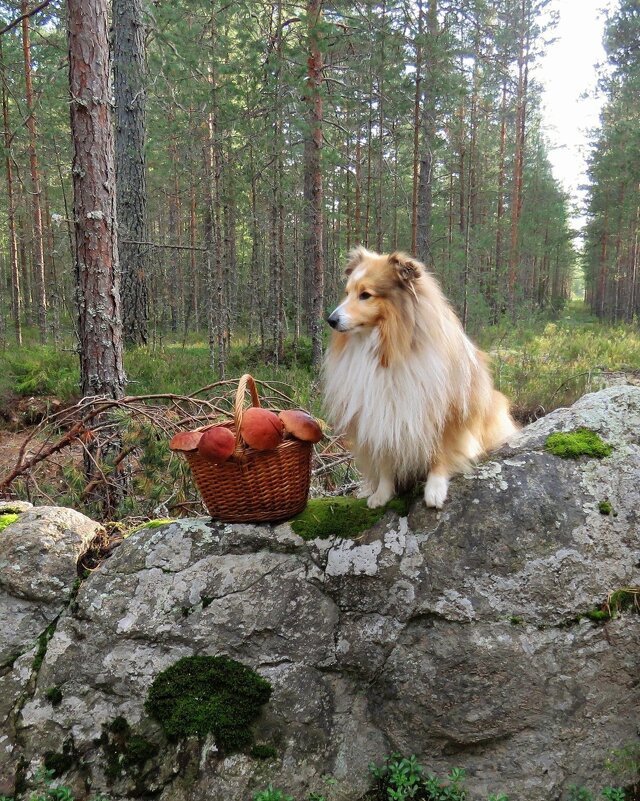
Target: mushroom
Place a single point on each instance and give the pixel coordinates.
(261, 429)
(185, 440)
(217, 444)
(301, 425)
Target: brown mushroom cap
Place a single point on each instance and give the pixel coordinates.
(261, 429)
(301, 425)
(217, 444)
(185, 440)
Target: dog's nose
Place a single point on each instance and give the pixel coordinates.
(332, 319)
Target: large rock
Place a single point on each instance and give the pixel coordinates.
(39, 556)
(459, 636)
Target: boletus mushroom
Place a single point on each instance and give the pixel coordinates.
(217, 444)
(261, 429)
(301, 425)
(185, 441)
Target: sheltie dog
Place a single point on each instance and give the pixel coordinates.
(412, 393)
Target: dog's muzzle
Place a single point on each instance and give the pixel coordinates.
(334, 319)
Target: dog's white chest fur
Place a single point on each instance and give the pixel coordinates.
(396, 413)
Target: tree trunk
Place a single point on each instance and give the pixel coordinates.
(518, 164)
(313, 246)
(16, 300)
(130, 100)
(428, 127)
(100, 327)
(36, 208)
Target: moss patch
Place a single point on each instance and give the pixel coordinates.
(581, 442)
(342, 517)
(54, 696)
(125, 752)
(149, 524)
(605, 508)
(199, 695)
(43, 642)
(627, 598)
(60, 763)
(263, 751)
(6, 519)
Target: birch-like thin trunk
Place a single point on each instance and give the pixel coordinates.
(36, 206)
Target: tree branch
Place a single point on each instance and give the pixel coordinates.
(17, 21)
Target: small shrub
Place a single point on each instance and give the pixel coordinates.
(271, 794)
(579, 794)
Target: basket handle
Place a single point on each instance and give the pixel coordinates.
(238, 409)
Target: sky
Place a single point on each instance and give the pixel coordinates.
(567, 72)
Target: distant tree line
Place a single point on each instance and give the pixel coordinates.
(612, 252)
(256, 142)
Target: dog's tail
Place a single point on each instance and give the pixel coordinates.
(499, 425)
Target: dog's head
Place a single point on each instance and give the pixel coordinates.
(374, 283)
(382, 293)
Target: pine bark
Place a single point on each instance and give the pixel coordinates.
(518, 168)
(16, 300)
(130, 97)
(313, 247)
(94, 192)
(36, 206)
(428, 128)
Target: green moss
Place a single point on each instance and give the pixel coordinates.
(263, 751)
(516, 620)
(54, 695)
(199, 695)
(149, 524)
(6, 519)
(43, 642)
(342, 517)
(125, 751)
(627, 598)
(581, 442)
(59, 764)
(605, 508)
(598, 615)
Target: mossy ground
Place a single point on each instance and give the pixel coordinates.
(199, 695)
(581, 442)
(7, 518)
(342, 517)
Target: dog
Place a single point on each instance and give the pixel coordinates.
(412, 393)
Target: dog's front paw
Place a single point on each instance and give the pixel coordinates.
(364, 491)
(379, 498)
(435, 491)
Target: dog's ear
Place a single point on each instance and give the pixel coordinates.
(354, 258)
(407, 268)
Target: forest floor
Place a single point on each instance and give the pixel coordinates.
(539, 364)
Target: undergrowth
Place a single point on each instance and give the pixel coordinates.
(538, 364)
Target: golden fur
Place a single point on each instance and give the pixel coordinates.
(403, 381)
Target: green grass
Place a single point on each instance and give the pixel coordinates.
(536, 363)
(551, 364)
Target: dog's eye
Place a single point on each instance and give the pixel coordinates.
(364, 296)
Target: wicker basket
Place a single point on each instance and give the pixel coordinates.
(252, 485)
